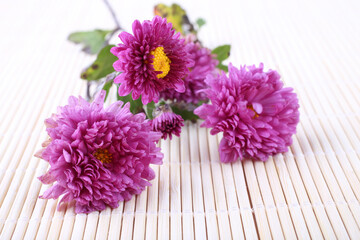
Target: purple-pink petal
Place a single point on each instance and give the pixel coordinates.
(78, 132)
(135, 60)
(256, 114)
(194, 82)
(168, 123)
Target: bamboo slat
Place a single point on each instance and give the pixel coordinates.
(310, 192)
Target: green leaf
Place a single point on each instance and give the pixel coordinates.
(136, 106)
(185, 114)
(107, 87)
(222, 53)
(149, 109)
(200, 22)
(222, 67)
(102, 66)
(176, 15)
(92, 41)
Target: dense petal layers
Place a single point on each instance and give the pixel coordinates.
(98, 156)
(152, 42)
(204, 64)
(256, 114)
(168, 123)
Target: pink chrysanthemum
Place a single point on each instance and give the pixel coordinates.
(253, 110)
(167, 123)
(98, 156)
(204, 64)
(151, 60)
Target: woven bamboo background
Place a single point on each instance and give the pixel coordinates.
(312, 191)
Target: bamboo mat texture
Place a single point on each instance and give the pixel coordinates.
(310, 192)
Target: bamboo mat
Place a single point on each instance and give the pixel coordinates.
(312, 191)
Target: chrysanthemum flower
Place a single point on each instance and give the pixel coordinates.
(98, 156)
(151, 60)
(204, 64)
(255, 113)
(167, 122)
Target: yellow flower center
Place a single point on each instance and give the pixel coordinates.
(252, 108)
(103, 155)
(161, 62)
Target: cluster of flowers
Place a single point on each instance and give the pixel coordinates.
(99, 156)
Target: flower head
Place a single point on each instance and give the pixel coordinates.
(151, 60)
(167, 122)
(98, 156)
(204, 64)
(255, 113)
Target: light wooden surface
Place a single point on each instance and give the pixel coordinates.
(312, 191)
